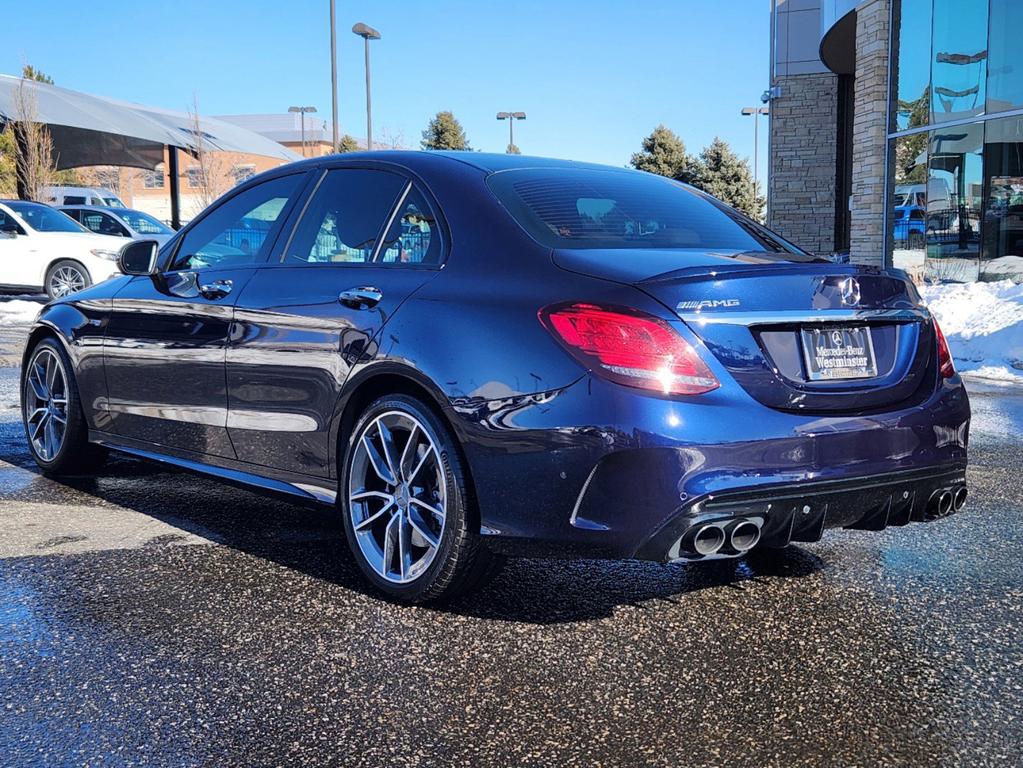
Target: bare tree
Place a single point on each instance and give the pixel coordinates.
(34, 157)
(208, 176)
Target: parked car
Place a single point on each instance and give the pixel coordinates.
(472, 356)
(910, 227)
(42, 249)
(82, 196)
(119, 222)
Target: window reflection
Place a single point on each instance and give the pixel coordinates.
(909, 204)
(1005, 68)
(1003, 212)
(959, 63)
(954, 193)
(913, 83)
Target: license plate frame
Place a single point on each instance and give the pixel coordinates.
(838, 353)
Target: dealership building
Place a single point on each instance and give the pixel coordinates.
(896, 133)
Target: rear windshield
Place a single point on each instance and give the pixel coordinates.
(585, 208)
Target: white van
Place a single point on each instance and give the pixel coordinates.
(81, 196)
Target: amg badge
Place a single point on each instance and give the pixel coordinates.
(706, 304)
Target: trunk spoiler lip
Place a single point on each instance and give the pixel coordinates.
(745, 269)
(785, 317)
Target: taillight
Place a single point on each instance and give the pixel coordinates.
(629, 347)
(945, 365)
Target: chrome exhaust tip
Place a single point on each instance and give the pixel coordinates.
(708, 540)
(959, 498)
(945, 502)
(745, 535)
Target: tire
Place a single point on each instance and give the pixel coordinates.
(390, 499)
(65, 277)
(49, 394)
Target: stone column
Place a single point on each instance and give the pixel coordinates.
(802, 164)
(870, 145)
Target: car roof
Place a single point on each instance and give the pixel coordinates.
(106, 208)
(489, 162)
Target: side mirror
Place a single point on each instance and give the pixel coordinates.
(138, 257)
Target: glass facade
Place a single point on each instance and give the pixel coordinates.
(956, 135)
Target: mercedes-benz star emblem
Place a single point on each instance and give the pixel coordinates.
(850, 288)
(836, 338)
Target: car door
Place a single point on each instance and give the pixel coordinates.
(102, 223)
(13, 252)
(303, 323)
(167, 333)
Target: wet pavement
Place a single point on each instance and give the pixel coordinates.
(149, 617)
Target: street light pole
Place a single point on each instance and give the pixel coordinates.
(302, 111)
(511, 117)
(367, 33)
(333, 74)
(756, 112)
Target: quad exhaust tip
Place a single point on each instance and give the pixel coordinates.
(708, 540)
(745, 535)
(959, 498)
(945, 501)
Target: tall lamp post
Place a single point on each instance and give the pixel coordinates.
(333, 75)
(302, 111)
(756, 112)
(511, 117)
(367, 33)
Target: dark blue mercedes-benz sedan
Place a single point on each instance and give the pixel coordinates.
(471, 356)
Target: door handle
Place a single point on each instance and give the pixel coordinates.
(218, 289)
(364, 297)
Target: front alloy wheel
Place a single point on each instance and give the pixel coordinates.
(407, 508)
(46, 403)
(66, 277)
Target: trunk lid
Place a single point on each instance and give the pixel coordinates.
(751, 311)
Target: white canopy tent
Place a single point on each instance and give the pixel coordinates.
(94, 130)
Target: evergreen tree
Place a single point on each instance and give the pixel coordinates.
(664, 153)
(347, 143)
(728, 177)
(512, 150)
(445, 132)
(31, 73)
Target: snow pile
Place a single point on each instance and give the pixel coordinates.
(983, 323)
(18, 312)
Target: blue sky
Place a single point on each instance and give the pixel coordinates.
(593, 76)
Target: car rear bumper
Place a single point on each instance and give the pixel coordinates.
(561, 485)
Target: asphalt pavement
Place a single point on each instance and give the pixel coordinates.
(151, 617)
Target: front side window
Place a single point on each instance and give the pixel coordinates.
(413, 237)
(582, 208)
(102, 224)
(43, 218)
(345, 217)
(145, 224)
(240, 230)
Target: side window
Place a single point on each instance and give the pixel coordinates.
(74, 200)
(344, 217)
(75, 214)
(102, 223)
(238, 231)
(413, 237)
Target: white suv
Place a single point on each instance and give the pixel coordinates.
(44, 249)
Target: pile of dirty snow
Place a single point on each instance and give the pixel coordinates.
(983, 323)
(18, 312)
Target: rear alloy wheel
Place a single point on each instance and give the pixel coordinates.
(66, 277)
(406, 504)
(52, 413)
